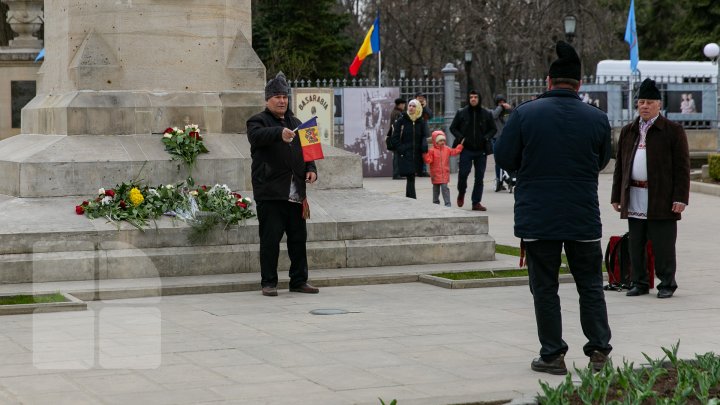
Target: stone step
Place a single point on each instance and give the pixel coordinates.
(129, 262)
(222, 283)
(44, 241)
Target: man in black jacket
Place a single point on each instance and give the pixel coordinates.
(476, 126)
(559, 144)
(279, 174)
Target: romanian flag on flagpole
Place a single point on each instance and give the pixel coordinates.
(370, 45)
(310, 140)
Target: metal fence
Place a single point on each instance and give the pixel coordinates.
(690, 100)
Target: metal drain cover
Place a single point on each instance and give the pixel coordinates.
(328, 312)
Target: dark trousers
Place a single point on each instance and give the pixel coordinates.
(468, 159)
(662, 234)
(275, 219)
(410, 187)
(585, 261)
(396, 164)
(497, 167)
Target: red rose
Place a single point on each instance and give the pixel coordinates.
(79, 209)
(241, 204)
(110, 193)
(168, 131)
(236, 195)
(195, 135)
(85, 203)
(204, 188)
(122, 204)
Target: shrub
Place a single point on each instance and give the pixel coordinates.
(714, 166)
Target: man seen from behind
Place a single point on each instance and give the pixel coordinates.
(558, 145)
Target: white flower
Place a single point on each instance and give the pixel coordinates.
(167, 135)
(176, 129)
(153, 192)
(169, 187)
(101, 191)
(194, 193)
(180, 131)
(246, 200)
(107, 200)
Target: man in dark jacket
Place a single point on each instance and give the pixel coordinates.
(476, 126)
(279, 174)
(396, 113)
(651, 187)
(559, 144)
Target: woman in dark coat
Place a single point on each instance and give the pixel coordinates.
(409, 140)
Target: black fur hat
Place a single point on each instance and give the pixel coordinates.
(567, 65)
(648, 90)
(277, 86)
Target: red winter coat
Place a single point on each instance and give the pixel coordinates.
(438, 157)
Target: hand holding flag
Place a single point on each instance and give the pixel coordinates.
(310, 140)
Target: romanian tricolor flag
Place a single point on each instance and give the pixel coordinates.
(310, 140)
(370, 45)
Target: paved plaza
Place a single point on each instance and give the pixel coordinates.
(412, 342)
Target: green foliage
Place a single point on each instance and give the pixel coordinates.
(714, 167)
(697, 380)
(303, 39)
(394, 402)
(217, 205)
(32, 299)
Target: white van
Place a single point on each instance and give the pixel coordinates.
(617, 71)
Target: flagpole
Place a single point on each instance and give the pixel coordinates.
(379, 68)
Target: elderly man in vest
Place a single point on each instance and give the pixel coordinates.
(651, 188)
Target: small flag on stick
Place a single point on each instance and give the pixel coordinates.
(310, 140)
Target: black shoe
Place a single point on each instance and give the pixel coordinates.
(635, 291)
(665, 293)
(556, 366)
(597, 361)
(398, 178)
(499, 186)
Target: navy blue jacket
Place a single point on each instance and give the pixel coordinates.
(558, 144)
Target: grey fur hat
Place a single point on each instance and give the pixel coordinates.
(277, 86)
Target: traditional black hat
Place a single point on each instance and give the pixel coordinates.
(648, 90)
(567, 65)
(277, 86)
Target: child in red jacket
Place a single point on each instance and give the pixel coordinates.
(438, 158)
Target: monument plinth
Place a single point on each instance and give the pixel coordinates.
(118, 72)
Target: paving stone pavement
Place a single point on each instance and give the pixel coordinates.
(413, 342)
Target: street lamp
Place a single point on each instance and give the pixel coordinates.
(468, 66)
(569, 24)
(711, 51)
(402, 74)
(426, 71)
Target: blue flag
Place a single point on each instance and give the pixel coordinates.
(631, 38)
(41, 55)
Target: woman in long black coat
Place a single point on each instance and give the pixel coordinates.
(409, 140)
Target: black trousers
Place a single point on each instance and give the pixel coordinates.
(585, 261)
(662, 234)
(275, 219)
(410, 186)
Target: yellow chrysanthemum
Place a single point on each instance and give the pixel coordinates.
(136, 197)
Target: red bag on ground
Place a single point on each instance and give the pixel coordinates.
(617, 263)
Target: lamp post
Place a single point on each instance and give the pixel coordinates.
(569, 23)
(402, 74)
(711, 51)
(468, 66)
(426, 72)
